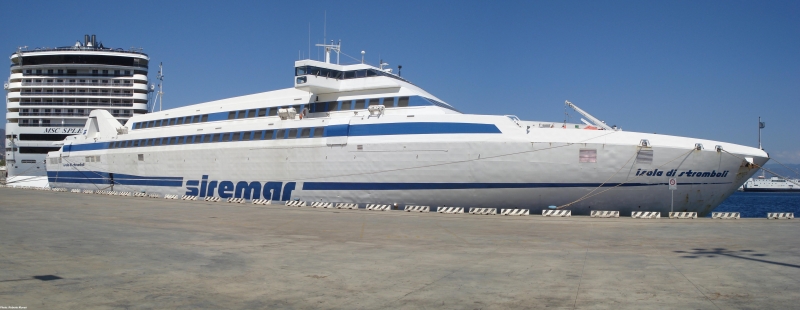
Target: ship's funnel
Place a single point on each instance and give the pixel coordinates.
(85, 39)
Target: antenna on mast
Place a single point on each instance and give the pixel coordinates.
(761, 125)
(332, 47)
(160, 94)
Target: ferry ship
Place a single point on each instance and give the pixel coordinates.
(362, 134)
(51, 91)
(773, 184)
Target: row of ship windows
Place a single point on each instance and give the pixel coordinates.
(78, 82)
(73, 91)
(75, 72)
(93, 102)
(273, 134)
(316, 107)
(33, 149)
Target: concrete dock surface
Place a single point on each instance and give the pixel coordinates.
(81, 251)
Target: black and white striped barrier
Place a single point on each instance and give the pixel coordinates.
(171, 196)
(139, 194)
(604, 214)
(235, 200)
(154, 196)
(683, 215)
(129, 194)
(377, 207)
(188, 197)
(726, 215)
(450, 210)
(75, 190)
(212, 199)
(296, 203)
(646, 215)
(88, 191)
(320, 204)
(483, 211)
(557, 213)
(60, 189)
(261, 201)
(424, 209)
(780, 216)
(351, 206)
(519, 212)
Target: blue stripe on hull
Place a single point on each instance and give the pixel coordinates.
(104, 178)
(333, 186)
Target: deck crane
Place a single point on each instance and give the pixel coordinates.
(594, 121)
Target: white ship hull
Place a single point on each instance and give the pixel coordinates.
(509, 170)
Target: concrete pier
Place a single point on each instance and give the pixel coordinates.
(78, 251)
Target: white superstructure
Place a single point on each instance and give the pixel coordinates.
(52, 90)
(361, 134)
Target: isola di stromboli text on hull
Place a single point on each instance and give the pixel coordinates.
(360, 134)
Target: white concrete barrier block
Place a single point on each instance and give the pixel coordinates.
(604, 214)
(424, 209)
(378, 207)
(516, 212)
(780, 215)
(75, 190)
(351, 206)
(296, 203)
(235, 200)
(88, 191)
(168, 196)
(557, 213)
(726, 215)
(483, 211)
(646, 215)
(188, 197)
(153, 195)
(212, 199)
(261, 201)
(683, 215)
(450, 210)
(320, 204)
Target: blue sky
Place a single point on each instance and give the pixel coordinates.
(703, 69)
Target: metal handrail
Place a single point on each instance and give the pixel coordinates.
(81, 48)
(94, 104)
(50, 125)
(51, 114)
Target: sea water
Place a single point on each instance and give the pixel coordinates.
(759, 204)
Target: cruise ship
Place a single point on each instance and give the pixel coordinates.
(362, 134)
(51, 91)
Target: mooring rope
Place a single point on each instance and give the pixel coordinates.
(765, 169)
(620, 184)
